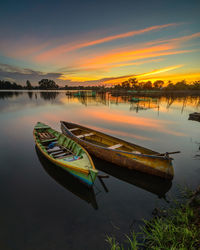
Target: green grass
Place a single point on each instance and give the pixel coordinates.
(179, 229)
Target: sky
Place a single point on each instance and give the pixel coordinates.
(99, 42)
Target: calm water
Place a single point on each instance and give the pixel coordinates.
(43, 207)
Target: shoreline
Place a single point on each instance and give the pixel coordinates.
(177, 227)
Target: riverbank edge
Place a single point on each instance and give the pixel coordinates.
(178, 227)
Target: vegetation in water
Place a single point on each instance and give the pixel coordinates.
(179, 228)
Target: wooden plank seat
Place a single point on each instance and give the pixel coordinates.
(115, 146)
(82, 136)
(64, 153)
(74, 129)
(60, 157)
(58, 152)
(46, 136)
(136, 152)
(52, 150)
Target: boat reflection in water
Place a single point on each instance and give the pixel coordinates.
(153, 184)
(150, 183)
(68, 181)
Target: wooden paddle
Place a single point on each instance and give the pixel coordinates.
(168, 153)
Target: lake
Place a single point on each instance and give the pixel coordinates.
(43, 207)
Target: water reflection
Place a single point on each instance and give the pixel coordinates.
(147, 182)
(30, 94)
(143, 102)
(9, 94)
(49, 95)
(88, 98)
(151, 184)
(36, 209)
(68, 181)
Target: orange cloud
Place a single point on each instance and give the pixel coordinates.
(67, 48)
(124, 78)
(146, 50)
(135, 63)
(175, 77)
(158, 71)
(176, 40)
(113, 58)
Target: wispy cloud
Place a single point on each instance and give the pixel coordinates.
(22, 74)
(153, 72)
(59, 50)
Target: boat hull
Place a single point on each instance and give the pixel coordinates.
(159, 166)
(85, 176)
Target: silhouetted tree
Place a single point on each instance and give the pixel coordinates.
(47, 84)
(9, 85)
(134, 83)
(28, 85)
(147, 85)
(158, 84)
(196, 85)
(181, 85)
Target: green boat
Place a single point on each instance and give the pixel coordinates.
(65, 153)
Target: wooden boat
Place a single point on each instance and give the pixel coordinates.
(68, 181)
(65, 153)
(120, 152)
(194, 116)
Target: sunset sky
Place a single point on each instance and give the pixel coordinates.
(99, 42)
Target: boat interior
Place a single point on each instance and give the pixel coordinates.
(104, 140)
(57, 145)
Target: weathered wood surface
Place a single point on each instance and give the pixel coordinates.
(148, 161)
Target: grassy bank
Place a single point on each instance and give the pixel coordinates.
(176, 228)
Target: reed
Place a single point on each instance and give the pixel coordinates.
(178, 229)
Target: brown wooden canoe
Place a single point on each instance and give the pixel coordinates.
(120, 152)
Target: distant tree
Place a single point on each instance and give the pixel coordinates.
(126, 85)
(134, 83)
(47, 84)
(9, 85)
(147, 85)
(170, 86)
(182, 85)
(158, 84)
(28, 85)
(196, 85)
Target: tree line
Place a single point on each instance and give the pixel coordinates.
(134, 84)
(131, 84)
(43, 84)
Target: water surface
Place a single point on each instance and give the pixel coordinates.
(43, 207)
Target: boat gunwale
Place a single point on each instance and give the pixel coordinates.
(115, 150)
(65, 165)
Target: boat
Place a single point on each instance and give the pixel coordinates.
(120, 152)
(194, 116)
(68, 181)
(65, 153)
